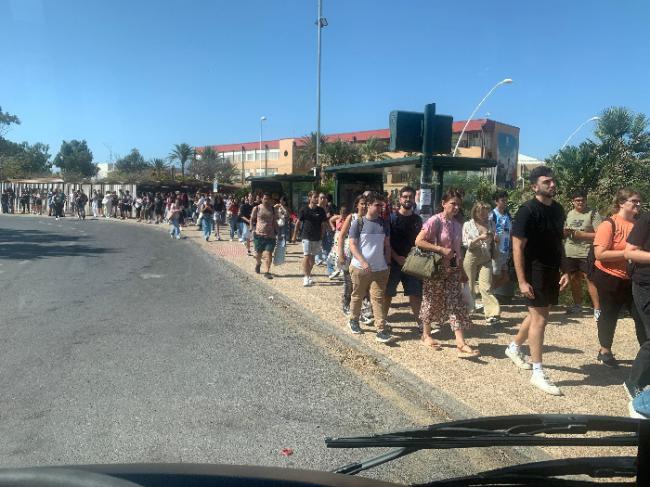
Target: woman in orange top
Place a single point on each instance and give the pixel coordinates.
(610, 275)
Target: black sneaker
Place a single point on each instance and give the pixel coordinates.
(607, 359)
(383, 336)
(354, 326)
(257, 268)
(268, 275)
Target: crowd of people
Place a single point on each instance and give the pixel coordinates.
(541, 248)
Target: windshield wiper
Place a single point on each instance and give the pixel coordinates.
(519, 430)
(595, 467)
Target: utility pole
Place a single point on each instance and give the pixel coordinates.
(320, 23)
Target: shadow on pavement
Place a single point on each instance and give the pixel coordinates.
(37, 244)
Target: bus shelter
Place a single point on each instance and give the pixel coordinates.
(294, 186)
(353, 179)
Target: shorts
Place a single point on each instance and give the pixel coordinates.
(311, 247)
(263, 244)
(411, 285)
(572, 265)
(546, 286)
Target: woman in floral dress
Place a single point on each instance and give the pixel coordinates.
(442, 300)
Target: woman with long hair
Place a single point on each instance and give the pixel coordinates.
(610, 273)
(478, 238)
(442, 300)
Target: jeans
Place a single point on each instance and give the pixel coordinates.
(327, 243)
(614, 294)
(640, 373)
(233, 226)
(175, 230)
(206, 224)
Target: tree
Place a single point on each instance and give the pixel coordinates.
(182, 153)
(209, 165)
(6, 120)
(159, 167)
(132, 163)
(340, 152)
(373, 150)
(306, 152)
(618, 158)
(75, 160)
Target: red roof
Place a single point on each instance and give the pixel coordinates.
(360, 136)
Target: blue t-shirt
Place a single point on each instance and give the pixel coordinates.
(503, 224)
(370, 237)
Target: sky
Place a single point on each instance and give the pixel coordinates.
(150, 74)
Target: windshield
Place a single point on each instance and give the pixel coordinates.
(229, 230)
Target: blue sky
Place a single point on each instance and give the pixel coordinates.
(149, 74)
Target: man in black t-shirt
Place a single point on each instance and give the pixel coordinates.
(537, 248)
(404, 228)
(245, 211)
(311, 219)
(637, 250)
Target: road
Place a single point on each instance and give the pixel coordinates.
(120, 345)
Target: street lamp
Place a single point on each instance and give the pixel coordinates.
(592, 119)
(320, 23)
(262, 119)
(506, 81)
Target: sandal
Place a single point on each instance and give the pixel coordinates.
(467, 352)
(430, 342)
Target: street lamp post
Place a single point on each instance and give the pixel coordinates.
(592, 119)
(262, 119)
(320, 23)
(502, 82)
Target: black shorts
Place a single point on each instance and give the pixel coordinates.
(546, 287)
(572, 265)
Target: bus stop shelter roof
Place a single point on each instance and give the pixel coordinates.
(289, 178)
(444, 163)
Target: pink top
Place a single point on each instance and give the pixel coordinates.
(450, 231)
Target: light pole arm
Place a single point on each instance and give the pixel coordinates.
(578, 130)
(462, 132)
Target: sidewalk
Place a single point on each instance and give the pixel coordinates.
(491, 385)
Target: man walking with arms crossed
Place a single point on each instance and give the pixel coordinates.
(264, 224)
(311, 220)
(537, 251)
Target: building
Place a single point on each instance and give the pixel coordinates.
(105, 168)
(483, 138)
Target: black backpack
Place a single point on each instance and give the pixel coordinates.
(591, 256)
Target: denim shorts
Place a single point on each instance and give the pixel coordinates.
(311, 247)
(264, 244)
(412, 286)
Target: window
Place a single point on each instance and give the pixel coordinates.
(274, 154)
(250, 155)
(237, 156)
(272, 171)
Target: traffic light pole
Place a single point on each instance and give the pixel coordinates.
(427, 205)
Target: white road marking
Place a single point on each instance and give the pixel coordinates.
(152, 276)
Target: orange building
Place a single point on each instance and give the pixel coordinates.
(483, 138)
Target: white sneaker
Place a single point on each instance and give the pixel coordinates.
(306, 281)
(596, 314)
(334, 274)
(543, 383)
(518, 358)
(366, 320)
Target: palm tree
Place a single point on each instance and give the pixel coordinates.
(306, 152)
(373, 150)
(182, 153)
(159, 167)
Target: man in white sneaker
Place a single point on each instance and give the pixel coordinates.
(311, 220)
(371, 257)
(538, 252)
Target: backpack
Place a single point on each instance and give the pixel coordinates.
(591, 256)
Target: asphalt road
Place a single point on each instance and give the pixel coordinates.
(119, 345)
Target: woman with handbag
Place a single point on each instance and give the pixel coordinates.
(442, 300)
(478, 238)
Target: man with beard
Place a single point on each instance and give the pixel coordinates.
(404, 228)
(537, 236)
